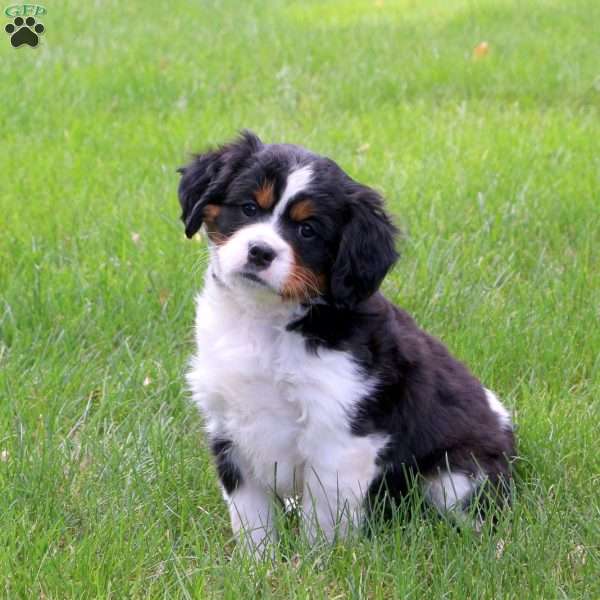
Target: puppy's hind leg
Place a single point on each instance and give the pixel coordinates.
(450, 493)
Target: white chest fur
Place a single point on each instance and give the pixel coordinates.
(257, 385)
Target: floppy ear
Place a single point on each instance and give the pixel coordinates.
(366, 251)
(205, 180)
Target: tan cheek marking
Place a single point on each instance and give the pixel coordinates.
(211, 212)
(210, 215)
(265, 196)
(302, 283)
(302, 210)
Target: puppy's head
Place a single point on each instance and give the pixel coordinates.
(285, 222)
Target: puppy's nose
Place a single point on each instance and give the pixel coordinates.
(260, 255)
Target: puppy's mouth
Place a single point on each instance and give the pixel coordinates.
(255, 281)
(254, 278)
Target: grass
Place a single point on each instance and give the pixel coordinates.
(491, 166)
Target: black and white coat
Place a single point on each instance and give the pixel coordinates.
(310, 382)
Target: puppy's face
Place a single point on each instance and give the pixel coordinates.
(266, 234)
(287, 224)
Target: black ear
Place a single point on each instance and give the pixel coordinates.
(366, 251)
(205, 180)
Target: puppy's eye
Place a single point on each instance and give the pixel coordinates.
(306, 231)
(249, 209)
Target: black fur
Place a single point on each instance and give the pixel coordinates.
(228, 471)
(206, 179)
(366, 251)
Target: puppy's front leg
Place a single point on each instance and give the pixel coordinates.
(328, 506)
(251, 512)
(335, 487)
(249, 502)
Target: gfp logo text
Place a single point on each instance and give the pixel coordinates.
(24, 10)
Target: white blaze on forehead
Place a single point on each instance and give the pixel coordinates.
(297, 181)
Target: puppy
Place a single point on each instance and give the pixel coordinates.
(310, 382)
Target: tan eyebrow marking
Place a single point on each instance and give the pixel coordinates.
(302, 210)
(264, 195)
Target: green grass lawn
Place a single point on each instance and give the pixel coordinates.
(492, 168)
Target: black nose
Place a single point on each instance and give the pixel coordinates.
(260, 255)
